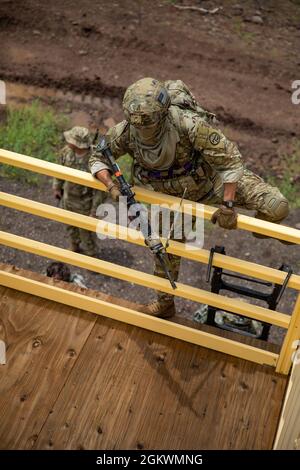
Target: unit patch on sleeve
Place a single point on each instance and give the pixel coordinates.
(214, 138)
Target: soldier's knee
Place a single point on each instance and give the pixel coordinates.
(276, 207)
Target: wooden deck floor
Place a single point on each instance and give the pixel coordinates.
(77, 381)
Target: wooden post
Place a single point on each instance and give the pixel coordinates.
(290, 342)
(288, 433)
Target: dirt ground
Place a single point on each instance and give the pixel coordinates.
(236, 67)
(239, 62)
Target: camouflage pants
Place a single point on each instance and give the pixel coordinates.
(84, 239)
(252, 193)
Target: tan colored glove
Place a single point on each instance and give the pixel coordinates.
(226, 217)
(114, 191)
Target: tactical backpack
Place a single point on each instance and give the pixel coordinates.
(182, 97)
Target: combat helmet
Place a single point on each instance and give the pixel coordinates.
(146, 102)
(78, 136)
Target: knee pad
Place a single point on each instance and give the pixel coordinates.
(275, 208)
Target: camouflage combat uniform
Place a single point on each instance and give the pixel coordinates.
(194, 155)
(78, 198)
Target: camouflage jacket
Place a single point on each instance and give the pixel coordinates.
(217, 153)
(72, 191)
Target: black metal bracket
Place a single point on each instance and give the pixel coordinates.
(218, 283)
(286, 281)
(216, 249)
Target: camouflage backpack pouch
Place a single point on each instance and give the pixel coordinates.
(182, 97)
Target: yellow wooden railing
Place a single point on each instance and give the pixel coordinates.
(281, 361)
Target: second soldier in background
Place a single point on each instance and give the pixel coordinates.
(75, 197)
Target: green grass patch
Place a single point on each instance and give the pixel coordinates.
(33, 130)
(289, 182)
(125, 162)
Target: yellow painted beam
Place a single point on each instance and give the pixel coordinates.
(237, 265)
(76, 176)
(147, 280)
(50, 169)
(291, 338)
(135, 318)
(244, 222)
(130, 235)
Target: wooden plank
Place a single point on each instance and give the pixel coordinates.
(288, 433)
(76, 176)
(128, 388)
(43, 342)
(133, 317)
(133, 389)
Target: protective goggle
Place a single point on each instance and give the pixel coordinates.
(144, 120)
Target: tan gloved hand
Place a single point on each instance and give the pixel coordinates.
(226, 217)
(114, 191)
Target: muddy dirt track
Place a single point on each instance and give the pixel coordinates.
(87, 53)
(237, 66)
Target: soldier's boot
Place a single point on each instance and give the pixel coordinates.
(164, 306)
(277, 210)
(161, 308)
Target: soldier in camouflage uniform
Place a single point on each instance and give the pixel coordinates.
(75, 197)
(174, 148)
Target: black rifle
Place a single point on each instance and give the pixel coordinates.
(154, 244)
